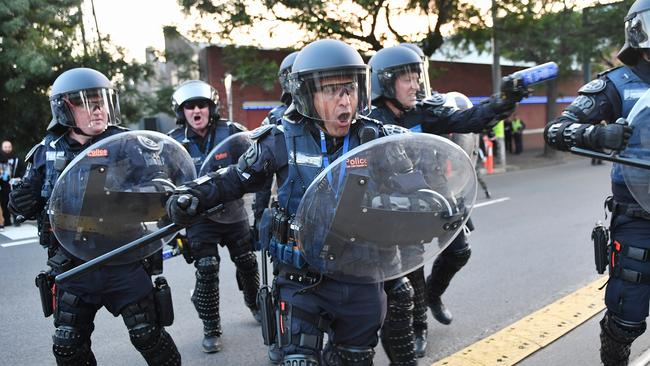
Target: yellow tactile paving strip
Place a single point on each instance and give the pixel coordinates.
(534, 332)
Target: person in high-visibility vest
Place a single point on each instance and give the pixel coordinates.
(518, 127)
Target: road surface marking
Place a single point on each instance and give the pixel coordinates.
(534, 332)
(491, 202)
(21, 232)
(20, 242)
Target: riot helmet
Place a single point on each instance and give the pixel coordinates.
(415, 48)
(283, 77)
(194, 93)
(329, 70)
(460, 100)
(83, 97)
(637, 28)
(394, 67)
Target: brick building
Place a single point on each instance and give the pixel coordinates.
(252, 103)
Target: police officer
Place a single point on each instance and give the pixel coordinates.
(329, 88)
(85, 109)
(196, 105)
(399, 81)
(607, 98)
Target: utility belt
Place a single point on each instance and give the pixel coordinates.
(628, 209)
(282, 245)
(608, 255)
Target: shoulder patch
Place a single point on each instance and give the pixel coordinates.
(593, 87)
(260, 131)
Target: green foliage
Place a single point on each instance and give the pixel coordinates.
(350, 20)
(247, 67)
(39, 39)
(354, 21)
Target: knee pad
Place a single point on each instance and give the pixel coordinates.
(72, 347)
(206, 294)
(419, 298)
(458, 259)
(207, 268)
(616, 338)
(400, 297)
(397, 335)
(246, 262)
(336, 355)
(299, 360)
(141, 320)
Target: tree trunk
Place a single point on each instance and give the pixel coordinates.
(551, 97)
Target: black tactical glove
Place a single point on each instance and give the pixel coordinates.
(611, 136)
(25, 200)
(511, 92)
(183, 208)
(190, 200)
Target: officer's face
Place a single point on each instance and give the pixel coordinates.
(91, 116)
(406, 88)
(335, 102)
(197, 114)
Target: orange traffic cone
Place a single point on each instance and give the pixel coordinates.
(488, 163)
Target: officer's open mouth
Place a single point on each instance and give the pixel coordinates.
(197, 118)
(344, 117)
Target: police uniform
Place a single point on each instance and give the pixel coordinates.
(124, 289)
(308, 303)
(610, 96)
(206, 235)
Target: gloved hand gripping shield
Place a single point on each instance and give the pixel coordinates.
(115, 192)
(385, 207)
(638, 147)
(226, 153)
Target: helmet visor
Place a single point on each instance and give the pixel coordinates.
(331, 95)
(636, 30)
(405, 83)
(93, 107)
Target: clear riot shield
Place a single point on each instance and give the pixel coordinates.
(115, 192)
(638, 147)
(385, 207)
(226, 153)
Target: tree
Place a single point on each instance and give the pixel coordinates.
(367, 24)
(39, 39)
(552, 30)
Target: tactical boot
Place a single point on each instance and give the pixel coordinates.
(212, 344)
(440, 311)
(420, 341)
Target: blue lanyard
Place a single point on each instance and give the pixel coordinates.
(326, 160)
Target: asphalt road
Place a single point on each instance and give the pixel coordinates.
(529, 249)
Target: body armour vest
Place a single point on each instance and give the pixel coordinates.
(220, 132)
(630, 88)
(305, 160)
(59, 153)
